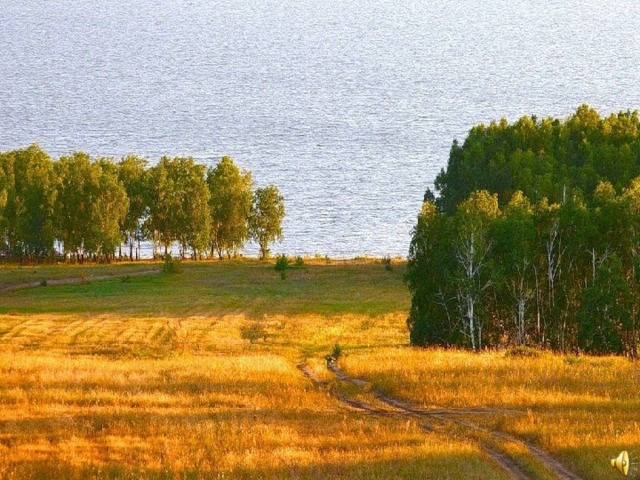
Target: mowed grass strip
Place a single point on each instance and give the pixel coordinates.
(12, 275)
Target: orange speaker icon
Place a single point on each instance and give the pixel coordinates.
(621, 463)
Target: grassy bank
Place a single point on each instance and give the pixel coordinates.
(150, 376)
(251, 288)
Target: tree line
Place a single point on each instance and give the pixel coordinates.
(88, 208)
(544, 255)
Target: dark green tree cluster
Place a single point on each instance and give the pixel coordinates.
(542, 158)
(549, 258)
(84, 208)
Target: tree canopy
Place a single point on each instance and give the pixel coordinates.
(87, 208)
(533, 239)
(265, 220)
(543, 158)
(230, 200)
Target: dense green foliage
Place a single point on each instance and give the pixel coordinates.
(534, 239)
(178, 206)
(132, 173)
(230, 203)
(543, 158)
(28, 197)
(81, 208)
(265, 219)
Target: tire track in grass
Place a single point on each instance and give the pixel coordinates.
(74, 280)
(452, 416)
(505, 462)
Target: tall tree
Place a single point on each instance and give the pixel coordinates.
(196, 224)
(265, 221)
(132, 174)
(515, 253)
(432, 317)
(92, 204)
(230, 191)
(6, 186)
(472, 248)
(74, 200)
(178, 204)
(604, 313)
(156, 222)
(31, 203)
(108, 210)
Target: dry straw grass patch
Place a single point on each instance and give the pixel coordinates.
(580, 409)
(153, 379)
(110, 396)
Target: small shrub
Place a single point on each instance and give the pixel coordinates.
(572, 360)
(366, 324)
(43, 282)
(126, 279)
(334, 355)
(253, 332)
(523, 352)
(299, 261)
(282, 263)
(171, 265)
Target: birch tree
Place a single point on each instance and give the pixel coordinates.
(515, 253)
(91, 205)
(432, 319)
(132, 174)
(30, 203)
(178, 199)
(472, 248)
(6, 184)
(265, 221)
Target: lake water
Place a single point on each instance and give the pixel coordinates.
(349, 107)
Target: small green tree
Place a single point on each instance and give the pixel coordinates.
(171, 265)
(265, 221)
(282, 264)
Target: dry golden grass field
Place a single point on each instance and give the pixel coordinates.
(152, 376)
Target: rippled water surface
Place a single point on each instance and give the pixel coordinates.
(349, 107)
